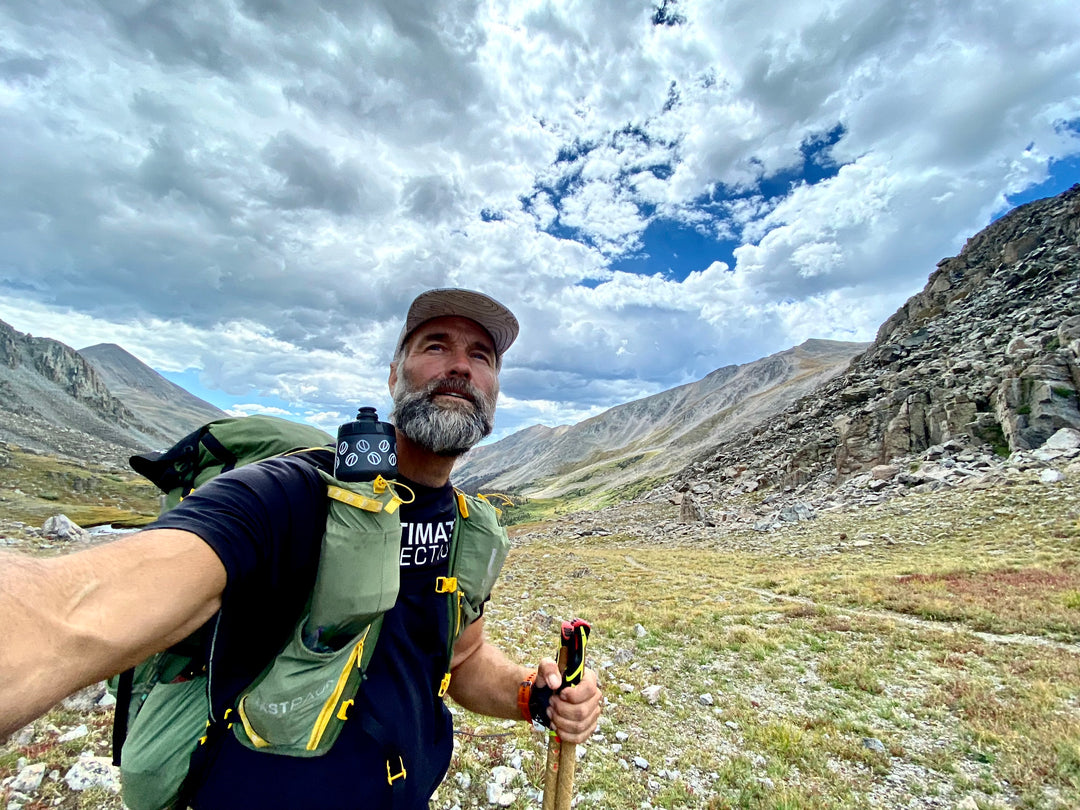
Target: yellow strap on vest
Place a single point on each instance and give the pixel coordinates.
(444, 685)
(343, 712)
(486, 498)
(354, 499)
(463, 505)
(356, 656)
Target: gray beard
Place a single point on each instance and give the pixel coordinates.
(445, 431)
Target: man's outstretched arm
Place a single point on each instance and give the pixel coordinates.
(70, 621)
(485, 681)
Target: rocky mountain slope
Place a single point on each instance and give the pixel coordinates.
(163, 405)
(655, 436)
(54, 401)
(985, 359)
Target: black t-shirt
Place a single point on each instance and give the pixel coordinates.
(265, 521)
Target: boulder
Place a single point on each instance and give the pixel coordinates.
(61, 528)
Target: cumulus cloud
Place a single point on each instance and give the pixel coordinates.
(255, 189)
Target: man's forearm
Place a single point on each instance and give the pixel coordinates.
(487, 683)
(72, 620)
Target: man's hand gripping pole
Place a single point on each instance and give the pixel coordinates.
(562, 757)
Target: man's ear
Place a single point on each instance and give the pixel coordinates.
(393, 377)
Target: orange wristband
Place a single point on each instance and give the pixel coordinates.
(524, 693)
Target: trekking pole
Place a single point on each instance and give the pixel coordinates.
(562, 757)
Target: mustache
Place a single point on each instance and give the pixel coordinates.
(452, 385)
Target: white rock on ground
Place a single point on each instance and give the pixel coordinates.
(88, 772)
(1064, 439)
(61, 527)
(29, 778)
(500, 796)
(74, 734)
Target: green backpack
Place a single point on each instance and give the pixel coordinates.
(300, 702)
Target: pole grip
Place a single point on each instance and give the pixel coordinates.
(574, 637)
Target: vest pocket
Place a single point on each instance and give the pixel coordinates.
(359, 573)
(292, 708)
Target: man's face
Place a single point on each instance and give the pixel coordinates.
(445, 386)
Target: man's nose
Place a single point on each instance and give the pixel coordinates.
(459, 364)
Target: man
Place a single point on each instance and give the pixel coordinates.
(241, 552)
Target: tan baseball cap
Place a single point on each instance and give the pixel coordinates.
(499, 321)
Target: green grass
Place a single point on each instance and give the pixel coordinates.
(35, 487)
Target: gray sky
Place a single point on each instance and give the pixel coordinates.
(247, 194)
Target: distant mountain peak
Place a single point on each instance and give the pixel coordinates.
(655, 435)
(161, 402)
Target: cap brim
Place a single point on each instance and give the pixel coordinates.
(499, 321)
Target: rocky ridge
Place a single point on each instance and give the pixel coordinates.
(54, 401)
(655, 436)
(986, 358)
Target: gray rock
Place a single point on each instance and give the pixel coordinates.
(689, 511)
(75, 734)
(875, 745)
(85, 699)
(24, 736)
(652, 694)
(1064, 439)
(88, 772)
(29, 778)
(63, 529)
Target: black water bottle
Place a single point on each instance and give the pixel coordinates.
(366, 448)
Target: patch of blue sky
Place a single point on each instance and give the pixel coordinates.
(817, 166)
(674, 249)
(1062, 174)
(568, 169)
(571, 153)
